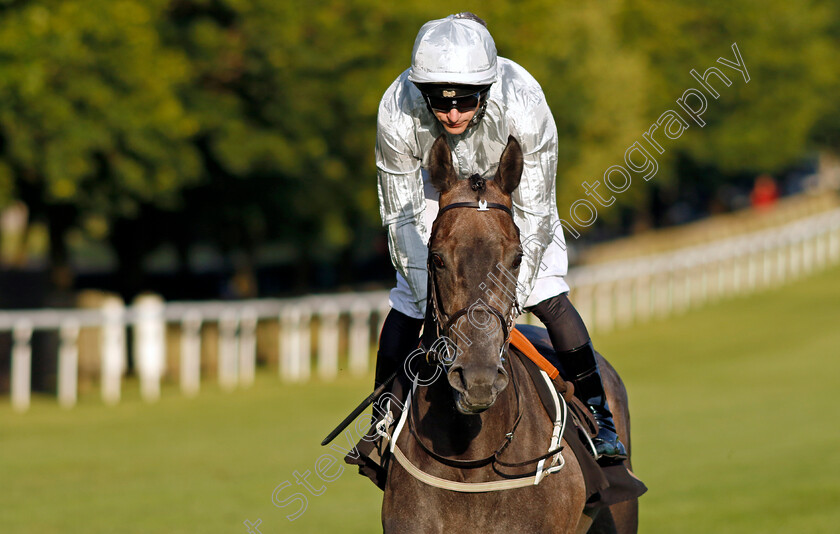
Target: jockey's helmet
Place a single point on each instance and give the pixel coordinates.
(453, 63)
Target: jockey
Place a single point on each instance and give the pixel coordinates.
(458, 86)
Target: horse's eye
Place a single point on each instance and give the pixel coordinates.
(437, 260)
(517, 261)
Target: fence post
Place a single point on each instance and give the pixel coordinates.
(191, 353)
(228, 326)
(696, 288)
(359, 338)
(704, 282)
(781, 262)
(113, 348)
(624, 300)
(752, 270)
(304, 340)
(68, 364)
(737, 279)
(682, 287)
(821, 241)
(604, 306)
(659, 294)
(247, 346)
(290, 368)
(767, 275)
(694, 283)
(642, 300)
(807, 254)
(150, 344)
(328, 341)
(795, 258)
(21, 366)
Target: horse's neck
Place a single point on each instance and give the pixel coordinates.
(450, 432)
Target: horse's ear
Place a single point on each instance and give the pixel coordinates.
(440, 165)
(510, 166)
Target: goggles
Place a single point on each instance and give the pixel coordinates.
(462, 103)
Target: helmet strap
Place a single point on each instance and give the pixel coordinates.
(479, 114)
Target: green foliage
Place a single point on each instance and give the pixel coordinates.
(245, 121)
(90, 112)
(288, 100)
(594, 85)
(761, 125)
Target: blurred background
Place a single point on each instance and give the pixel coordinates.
(188, 202)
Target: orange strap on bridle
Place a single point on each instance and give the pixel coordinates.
(519, 341)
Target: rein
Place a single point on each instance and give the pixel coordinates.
(468, 464)
(493, 458)
(542, 470)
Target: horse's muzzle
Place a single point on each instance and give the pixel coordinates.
(476, 388)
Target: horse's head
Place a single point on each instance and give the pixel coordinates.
(474, 257)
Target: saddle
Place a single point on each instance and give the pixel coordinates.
(604, 485)
(534, 348)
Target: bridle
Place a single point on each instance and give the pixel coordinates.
(440, 317)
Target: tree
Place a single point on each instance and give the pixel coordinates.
(245, 122)
(91, 123)
(763, 125)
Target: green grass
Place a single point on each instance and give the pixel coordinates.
(734, 431)
(735, 419)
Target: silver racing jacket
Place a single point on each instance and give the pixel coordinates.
(406, 130)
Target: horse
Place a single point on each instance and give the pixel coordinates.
(472, 427)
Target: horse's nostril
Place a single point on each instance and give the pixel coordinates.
(501, 381)
(456, 378)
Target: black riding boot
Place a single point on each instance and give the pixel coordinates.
(385, 367)
(396, 341)
(582, 369)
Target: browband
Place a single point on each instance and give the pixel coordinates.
(481, 205)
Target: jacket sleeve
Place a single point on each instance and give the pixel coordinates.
(534, 200)
(401, 201)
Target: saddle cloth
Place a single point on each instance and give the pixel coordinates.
(604, 485)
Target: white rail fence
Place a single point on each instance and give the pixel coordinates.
(607, 295)
(619, 294)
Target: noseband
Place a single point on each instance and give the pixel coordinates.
(449, 320)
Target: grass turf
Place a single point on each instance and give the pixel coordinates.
(734, 431)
